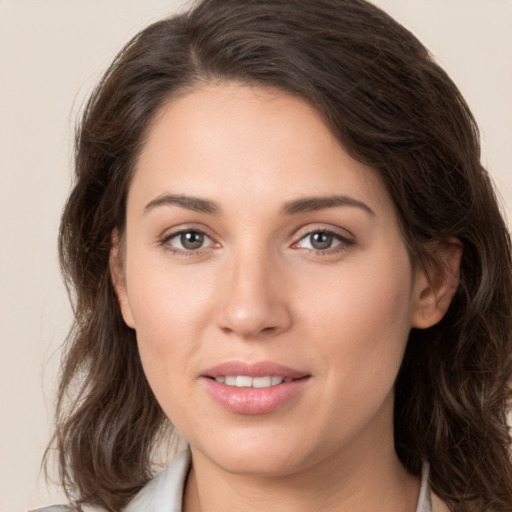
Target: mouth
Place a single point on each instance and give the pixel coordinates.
(254, 388)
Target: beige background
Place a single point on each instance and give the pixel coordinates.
(51, 53)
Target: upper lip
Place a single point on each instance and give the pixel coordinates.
(253, 369)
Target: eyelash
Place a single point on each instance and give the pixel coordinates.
(343, 244)
(165, 242)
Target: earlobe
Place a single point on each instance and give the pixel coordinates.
(435, 286)
(119, 281)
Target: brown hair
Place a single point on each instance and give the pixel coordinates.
(393, 108)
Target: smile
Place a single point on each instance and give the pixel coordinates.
(244, 381)
(253, 388)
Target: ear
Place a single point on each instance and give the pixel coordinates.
(119, 281)
(435, 285)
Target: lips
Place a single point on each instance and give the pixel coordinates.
(254, 388)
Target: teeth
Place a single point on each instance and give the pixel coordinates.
(263, 382)
(244, 381)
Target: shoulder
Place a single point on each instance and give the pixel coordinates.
(65, 508)
(165, 492)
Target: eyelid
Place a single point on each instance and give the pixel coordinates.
(343, 233)
(170, 233)
(185, 226)
(344, 236)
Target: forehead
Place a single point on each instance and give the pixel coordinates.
(233, 139)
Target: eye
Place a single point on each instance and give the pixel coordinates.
(188, 240)
(323, 241)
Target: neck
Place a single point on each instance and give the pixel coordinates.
(392, 491)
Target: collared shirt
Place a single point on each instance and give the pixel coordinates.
(164, 493)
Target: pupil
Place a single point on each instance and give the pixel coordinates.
(321, 240)
(191, 240)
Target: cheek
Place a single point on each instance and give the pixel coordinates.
(364, 320)
(170, 308)
(170, 316)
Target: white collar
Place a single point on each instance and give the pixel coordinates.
(425, 498)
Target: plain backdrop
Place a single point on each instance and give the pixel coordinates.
(51, 54)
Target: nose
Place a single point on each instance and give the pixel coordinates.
(252, 300)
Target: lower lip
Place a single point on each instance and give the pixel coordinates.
(255, 400)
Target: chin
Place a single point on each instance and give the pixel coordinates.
(267, 458)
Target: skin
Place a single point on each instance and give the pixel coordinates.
(257, 290)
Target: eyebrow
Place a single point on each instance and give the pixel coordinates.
(311, 204)
(304, 205)
(195, 204)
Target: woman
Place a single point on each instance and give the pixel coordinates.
(282, 243)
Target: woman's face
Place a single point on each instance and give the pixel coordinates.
(267, 281)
